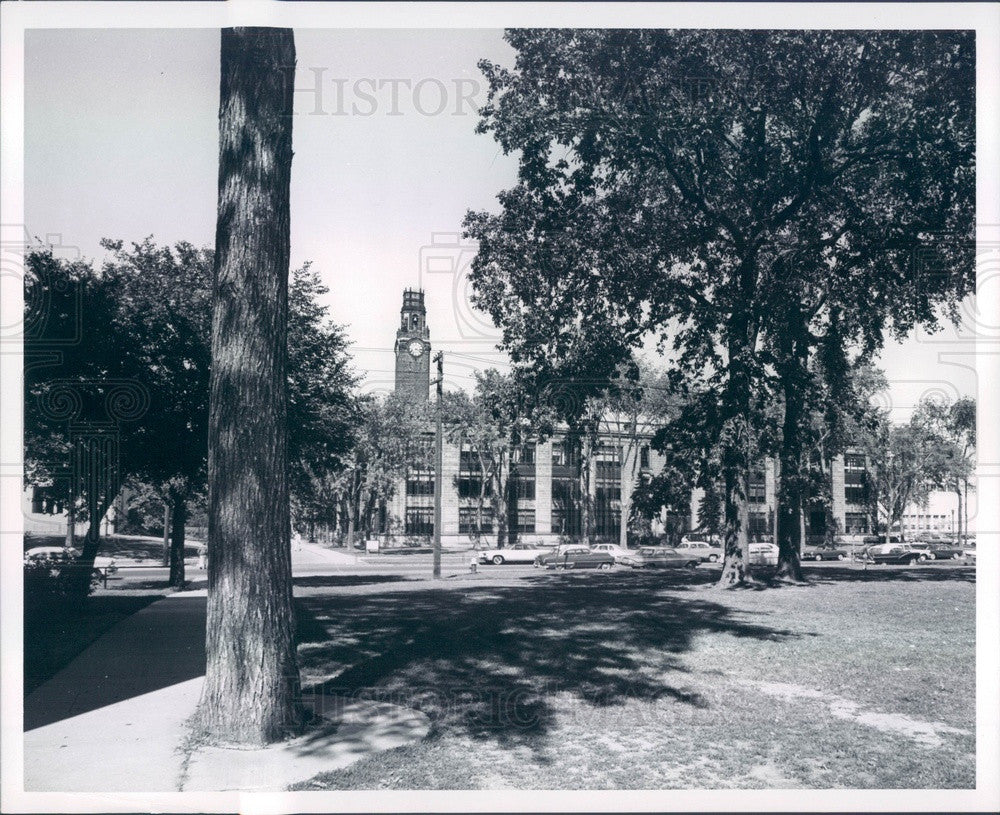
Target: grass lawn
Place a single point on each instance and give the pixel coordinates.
(649, 681)
(54, 633)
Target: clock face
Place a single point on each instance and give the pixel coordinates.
(416, 348)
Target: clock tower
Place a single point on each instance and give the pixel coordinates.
(413, 348)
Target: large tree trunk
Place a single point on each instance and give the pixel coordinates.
(177, 521)
(736, 570)
(791, 495)
(251, 691)
(790, 519)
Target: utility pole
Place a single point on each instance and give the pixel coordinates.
(438, 458)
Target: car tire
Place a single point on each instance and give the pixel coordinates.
(922, 558)
(713, 558)
(956, 556)
(817, 556)
(603, 566)
(497, 560)
(841, 557)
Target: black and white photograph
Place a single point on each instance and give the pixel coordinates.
(500, 407)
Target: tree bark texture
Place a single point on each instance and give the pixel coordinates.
(736, 570)
(251, 690)
(791, 519)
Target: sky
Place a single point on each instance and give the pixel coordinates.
(121, 142)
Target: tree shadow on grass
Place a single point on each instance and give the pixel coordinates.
(938, 573)
(504, 662)
(340, 580)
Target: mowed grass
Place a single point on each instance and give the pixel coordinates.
(649, 681)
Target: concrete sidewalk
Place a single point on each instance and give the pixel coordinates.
(115, 718)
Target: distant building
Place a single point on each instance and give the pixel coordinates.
(548, 479)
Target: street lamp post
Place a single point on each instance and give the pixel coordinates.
(438, 458)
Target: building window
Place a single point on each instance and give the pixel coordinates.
(854, 461)
(470, 478)
(855, 523)
(607, 492)
(644, 457)
(419, 485)
(757, 487)
(525, 488)
(420, 520)
(523, 453)
(855, 479)
(758, 524)
(565, 453)
(566, 506)
(467, 521)
(525, 520)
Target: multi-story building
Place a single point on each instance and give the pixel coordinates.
(547, 476)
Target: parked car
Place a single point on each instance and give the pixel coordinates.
(924, 550)
(891, 553)
(59, 553)
(763, 554)
(706, 551)
(823, 552)
(946, 550)
(665, 557)
(619, 553)
(67, 554)
(575, 557)
(517, 553)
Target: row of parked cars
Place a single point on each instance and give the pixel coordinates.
(689, 553)
(696, 549)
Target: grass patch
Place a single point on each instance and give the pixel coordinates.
(634, 681)
(55, 632)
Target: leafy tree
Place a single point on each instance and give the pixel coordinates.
(387, 441)
(709, 213)
(469, 425)
(251, 691)
(952, 426)
(322, 415)
(710, 508)
(908, 461)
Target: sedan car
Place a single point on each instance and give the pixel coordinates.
(946, 551)
(763, 554)
(575, 557)
(619, 553)
(823, 552)
(891, 553)
(705, 551)
(664, 557)
(517, 553)
(925, 551)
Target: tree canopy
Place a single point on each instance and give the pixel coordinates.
(734, 195)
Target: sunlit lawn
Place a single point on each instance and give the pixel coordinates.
(623, 680)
